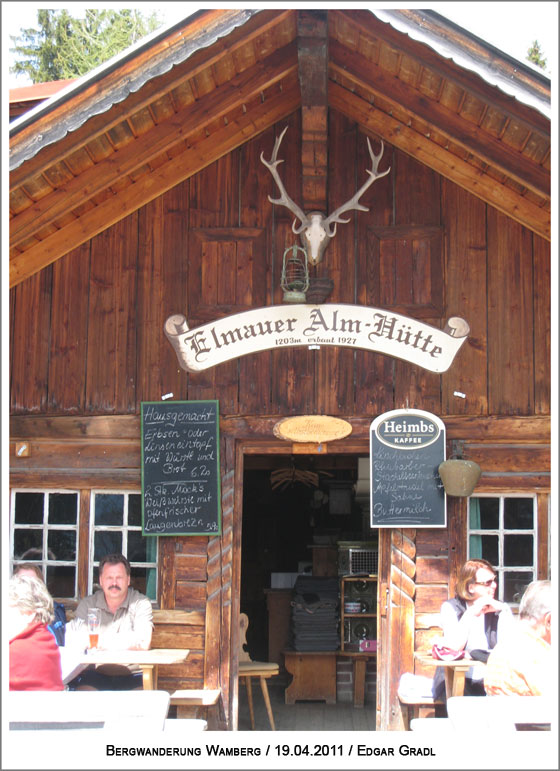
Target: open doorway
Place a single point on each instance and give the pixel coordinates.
(296, 510)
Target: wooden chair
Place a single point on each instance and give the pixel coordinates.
(249, 669)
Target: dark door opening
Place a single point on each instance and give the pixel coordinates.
(295, 510)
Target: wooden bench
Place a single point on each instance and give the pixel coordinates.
(195, 703)
(314, 676)
(194, 698)
(412, 709)
(427, 631)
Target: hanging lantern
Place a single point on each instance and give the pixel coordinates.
(459, 476)
(295, 276)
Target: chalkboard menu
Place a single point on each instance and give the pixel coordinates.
(180, 468)
(406, 448)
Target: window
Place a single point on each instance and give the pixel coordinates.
(45, 531)
(116, 526)
(503, 530)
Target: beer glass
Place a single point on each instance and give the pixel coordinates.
(93, 622)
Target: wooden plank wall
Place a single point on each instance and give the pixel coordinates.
(88, 331)
(87, 341)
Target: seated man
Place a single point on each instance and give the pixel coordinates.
(522, 663)
(126, 623)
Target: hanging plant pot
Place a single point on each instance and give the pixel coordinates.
(459, 476)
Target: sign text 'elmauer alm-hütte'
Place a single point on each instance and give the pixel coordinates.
(282, 326)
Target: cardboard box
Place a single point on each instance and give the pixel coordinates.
(282, 580)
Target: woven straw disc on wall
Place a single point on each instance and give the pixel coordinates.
(312, 428)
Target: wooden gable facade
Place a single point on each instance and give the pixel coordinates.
(140, 193)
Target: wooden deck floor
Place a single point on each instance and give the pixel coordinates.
(303, 716)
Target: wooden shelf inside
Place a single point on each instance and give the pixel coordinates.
(357, 589)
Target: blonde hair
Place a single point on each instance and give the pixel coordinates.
(30, 595)
(467, 575)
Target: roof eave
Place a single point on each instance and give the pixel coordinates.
(163, 59)
(527, 85)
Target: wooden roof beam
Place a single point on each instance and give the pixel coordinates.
(470, 137)
(82, 188)
(370, 26)
(260, 115)
(265, 21)
(313, 55)
(440, 160)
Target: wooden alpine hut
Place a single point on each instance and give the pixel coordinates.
(389, 166)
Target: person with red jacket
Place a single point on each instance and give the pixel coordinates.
(34, 654)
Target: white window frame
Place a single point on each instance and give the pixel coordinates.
(45, 527)
(124, 529)
(500, 532)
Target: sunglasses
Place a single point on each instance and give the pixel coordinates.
(486, 583)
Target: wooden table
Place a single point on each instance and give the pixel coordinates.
(315, 675)
(454, 671)
(148, 661)
(359, 662)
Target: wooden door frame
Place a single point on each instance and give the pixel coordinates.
(396, 621)
(264, 446)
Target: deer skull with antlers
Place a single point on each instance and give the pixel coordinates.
(316, 230)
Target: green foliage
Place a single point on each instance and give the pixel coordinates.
(535, 55)
(66, 47)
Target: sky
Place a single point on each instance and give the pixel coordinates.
(510, 27)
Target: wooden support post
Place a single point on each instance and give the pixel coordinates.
(313, 78)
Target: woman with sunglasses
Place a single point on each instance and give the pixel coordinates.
(473, 621)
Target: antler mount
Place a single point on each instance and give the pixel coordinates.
(316, 229)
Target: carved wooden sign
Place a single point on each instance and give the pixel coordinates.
(282, 326)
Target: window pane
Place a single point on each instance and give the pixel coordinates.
(28, 545)
(484, 513)
(518, 514)
(29, 508)
(134, 510)
(515, 584)
(106, 542)
(62, 545)
(61, 580)
(518, 550)
(136, 546)
(486, 546)
(63, 509)
(109, 509)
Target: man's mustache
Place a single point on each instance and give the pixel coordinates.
(115, 586)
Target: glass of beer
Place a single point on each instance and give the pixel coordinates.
(93, 621)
